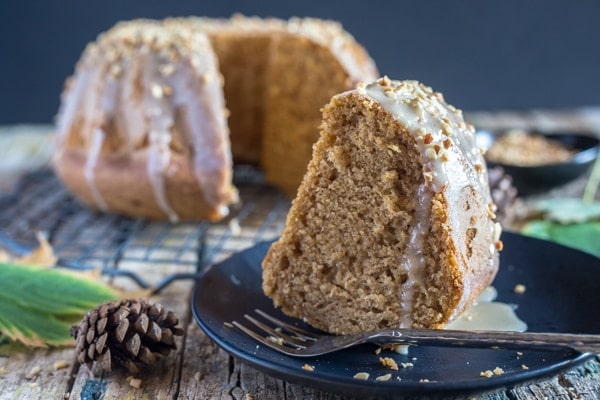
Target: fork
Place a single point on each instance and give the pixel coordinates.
(293, 341)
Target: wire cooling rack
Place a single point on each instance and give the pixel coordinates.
(149, 254)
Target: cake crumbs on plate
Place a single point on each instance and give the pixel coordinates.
(228, 324)
(486, 374)
(383, 378)
(395, 347)
(524, 367)
(520, 288)
(489, 373)
(307, 367)
(407, 365)
(362, 376)
(424, 380)
(389, 362)
(275, 339)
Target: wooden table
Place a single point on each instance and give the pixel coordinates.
(199, 369)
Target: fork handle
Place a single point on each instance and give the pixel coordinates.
(580, 342)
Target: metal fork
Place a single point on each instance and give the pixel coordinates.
(293, 341)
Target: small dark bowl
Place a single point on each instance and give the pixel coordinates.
(531, 180)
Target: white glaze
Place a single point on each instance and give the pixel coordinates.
(413, 260)
(90, 166)
(159, 114)
(448, 150)
(487, 314)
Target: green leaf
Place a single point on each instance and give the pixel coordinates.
(38, 305)
(568, 210)
(584, 236)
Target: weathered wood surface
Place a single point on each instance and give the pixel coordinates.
(199, 369)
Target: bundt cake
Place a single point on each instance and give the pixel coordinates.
(393, 224)
(142, 129)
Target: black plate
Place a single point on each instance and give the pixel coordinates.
(563, 288)
(531, 180)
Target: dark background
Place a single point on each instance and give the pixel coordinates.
(481, 54)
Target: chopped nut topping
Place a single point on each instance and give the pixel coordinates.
(447, 143)
(157, 91)
(499, 245)
(167, 69)
(428, 138)
(430, 153)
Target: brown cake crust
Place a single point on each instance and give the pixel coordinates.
(381, 235)
(131, 193)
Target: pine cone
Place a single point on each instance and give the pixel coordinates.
(504, 195)
(130, 333)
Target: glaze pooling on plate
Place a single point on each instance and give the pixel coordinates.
(560, 283)
(487, 314)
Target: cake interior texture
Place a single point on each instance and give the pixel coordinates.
(380, 235)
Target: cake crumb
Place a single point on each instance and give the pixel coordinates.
(498, 371)
(276, 340)
(520, 288)
(34, 372)
(234, 227)
(395, 347)
(228, 324)
(524, 367)
(389, 362)
(424, 380)
(519, 353)
(407, 365)
(383, 378)
(60, 364)
(362, 376)
(307, 367)
(486, 374)
(134, 382)
(378, 351)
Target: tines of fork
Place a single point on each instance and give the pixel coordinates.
(283, 337)
(294, 341)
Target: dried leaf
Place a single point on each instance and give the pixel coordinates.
(39, 305)
(43, 255)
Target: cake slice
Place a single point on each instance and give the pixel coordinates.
(393, 224)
